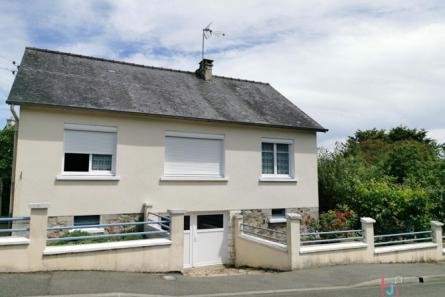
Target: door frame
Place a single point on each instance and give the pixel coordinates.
(193, 233)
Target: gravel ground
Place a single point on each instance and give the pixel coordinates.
(220, 270)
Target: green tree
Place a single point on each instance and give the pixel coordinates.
(6, 153)
(395, 176)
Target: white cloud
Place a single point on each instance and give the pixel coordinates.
(349, 64)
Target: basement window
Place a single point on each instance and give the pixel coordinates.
(86, 220)
(278, 215)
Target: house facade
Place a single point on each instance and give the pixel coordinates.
(105, 141)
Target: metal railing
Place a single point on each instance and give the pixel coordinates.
(162, 226)
(382, 238)
(271, 234)
(15, 219)
(317, 236)
(164, 222)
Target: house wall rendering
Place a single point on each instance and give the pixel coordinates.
(139, 167)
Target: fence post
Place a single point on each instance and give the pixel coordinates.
(37, 234)
(237, 221)
(176, 254)
(436, 228)
(293, 239)
(368, 235)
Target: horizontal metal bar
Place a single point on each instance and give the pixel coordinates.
(107, 225)
(106, 235)
(158, 215)
(165, 226)
(265, 236)
(265, 229)
(402, 234)
(15, 219)
(404, 240)
(332, 239)
(14, 230)
(330, 232)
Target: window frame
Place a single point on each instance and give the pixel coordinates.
(275, 175)
(90, 173)
(85, 216)
(277, 219)
(191, 177)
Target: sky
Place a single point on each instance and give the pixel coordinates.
(348, 64)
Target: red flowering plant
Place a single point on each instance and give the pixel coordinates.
(340, 219)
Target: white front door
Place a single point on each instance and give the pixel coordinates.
(205, 239)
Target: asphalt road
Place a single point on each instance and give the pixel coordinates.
(339, 281)
(408, 290)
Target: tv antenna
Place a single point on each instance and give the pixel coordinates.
(207, 33)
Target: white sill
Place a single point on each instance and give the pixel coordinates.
(278, 179)
(87, 177)
(193, 178)
(12, 240)
(277, 220)
(319, 248)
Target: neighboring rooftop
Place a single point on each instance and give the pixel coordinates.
(51, 78)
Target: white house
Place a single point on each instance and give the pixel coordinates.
(99, 139)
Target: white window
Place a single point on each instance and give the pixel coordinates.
(276, 158)
(194, 155)
(89, 150)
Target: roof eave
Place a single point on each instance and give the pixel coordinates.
(20, 103)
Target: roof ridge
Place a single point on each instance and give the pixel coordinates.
(135, 64)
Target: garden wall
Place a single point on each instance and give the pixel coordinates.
(259, 252)
(19, 254)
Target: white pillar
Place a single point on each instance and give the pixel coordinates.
(436, 228)
(293, 239)
(368, 235)
(37, 234)
(237, 221)
(176, 254)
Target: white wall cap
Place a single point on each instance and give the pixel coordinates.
(404, 247)
(293, 216)
(176, 211)
(436, 224)
(238, 216)
(42, 205)
(148, 204)
(11, 240)
(367, 220)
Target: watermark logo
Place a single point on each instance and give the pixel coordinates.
(391, 290)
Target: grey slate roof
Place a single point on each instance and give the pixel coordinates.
(51, 78)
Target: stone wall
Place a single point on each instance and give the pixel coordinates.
(260, 217)
(64, 221)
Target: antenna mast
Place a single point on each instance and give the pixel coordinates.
(206, 33)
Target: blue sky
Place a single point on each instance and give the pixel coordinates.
(349, 64)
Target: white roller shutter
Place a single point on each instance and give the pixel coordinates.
(90, 142)
(193, 157)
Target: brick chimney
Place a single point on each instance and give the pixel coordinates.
(205, 69)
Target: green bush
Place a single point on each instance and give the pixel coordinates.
(396, 177)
